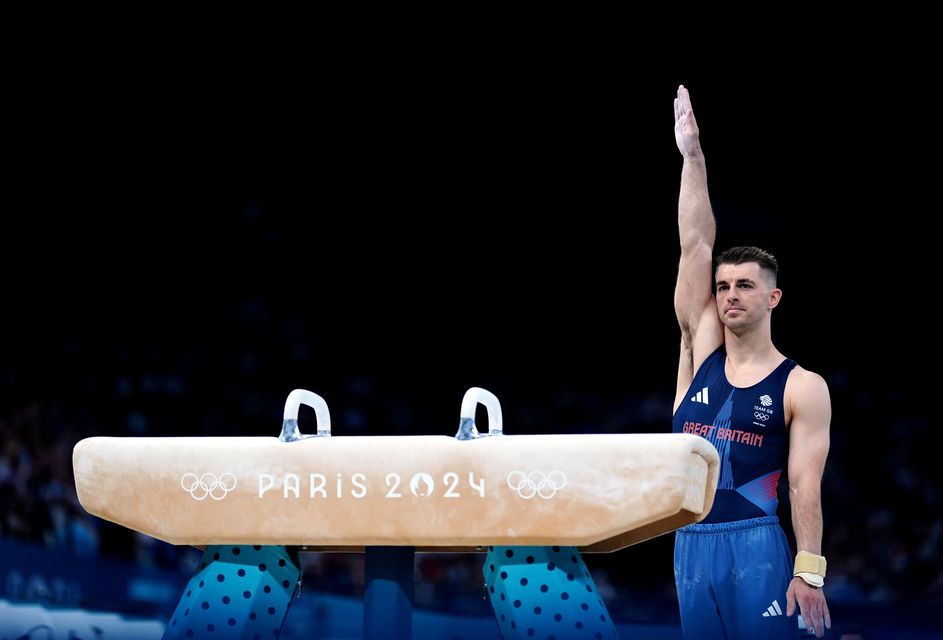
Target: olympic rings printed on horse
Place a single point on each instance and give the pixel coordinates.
(536, 483)
(759, 415)
(208, 485)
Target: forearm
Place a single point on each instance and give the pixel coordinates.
(695, 216)
(807, 518)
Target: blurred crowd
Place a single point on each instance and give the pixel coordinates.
(883, 501)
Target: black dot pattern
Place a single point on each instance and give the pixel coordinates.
(544, 592)
(239, 591)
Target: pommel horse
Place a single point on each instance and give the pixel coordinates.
(531, 503)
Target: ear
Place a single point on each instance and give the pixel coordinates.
(774, 296)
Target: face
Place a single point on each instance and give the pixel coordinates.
(744, 295)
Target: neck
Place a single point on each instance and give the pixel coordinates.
(750, 346)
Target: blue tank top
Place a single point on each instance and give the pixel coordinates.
(748, 427)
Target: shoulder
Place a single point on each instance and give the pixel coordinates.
(806, 392)
(804, 381)
(719, 354)
(707, 337)
(712, 363)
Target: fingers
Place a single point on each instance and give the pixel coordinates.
(677, 111)
(811, 604)
(816, 625)
(813, 620)
(815, 612)
(790, 600)
(684, 100)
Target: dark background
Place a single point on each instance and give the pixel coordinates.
(531, 218)
(181, 250)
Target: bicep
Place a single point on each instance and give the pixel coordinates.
(701, 330)
(696, 345)
(685, 372)
(693, 288)
(809, 429)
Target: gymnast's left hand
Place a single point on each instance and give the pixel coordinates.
(812, 605)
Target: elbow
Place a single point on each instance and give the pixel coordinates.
(793, 492)
(805, 491)
(694, 243)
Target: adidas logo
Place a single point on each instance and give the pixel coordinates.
(700, 394)
(773, 610)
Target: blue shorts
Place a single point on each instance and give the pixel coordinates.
(732, 578)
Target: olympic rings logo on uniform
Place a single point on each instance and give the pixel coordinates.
(208, 485)
(536, 483)
(761, 416)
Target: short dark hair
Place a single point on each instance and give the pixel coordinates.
(739, 255)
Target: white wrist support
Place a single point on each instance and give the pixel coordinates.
(810, 567)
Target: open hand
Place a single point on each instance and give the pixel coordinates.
(686, 132)
(812, 605)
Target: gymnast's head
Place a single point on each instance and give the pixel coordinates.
(745, 287)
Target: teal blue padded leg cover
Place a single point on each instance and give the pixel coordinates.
(239, 592)
(545, 593)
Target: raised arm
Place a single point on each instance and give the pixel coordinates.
(808, 449)
(701, 330)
